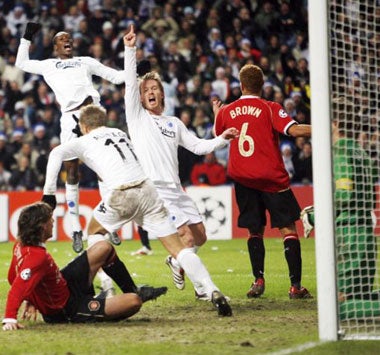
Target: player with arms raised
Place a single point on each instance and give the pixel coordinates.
(70, 78)
(261, 181)
(156, 138)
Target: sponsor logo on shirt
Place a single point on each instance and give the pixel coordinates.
(68, 64)
(26, 274)
(167, 131)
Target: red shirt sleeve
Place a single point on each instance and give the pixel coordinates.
(219, 124)
(281, 120)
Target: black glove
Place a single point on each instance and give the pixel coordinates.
(77, 130)
(50, 200)
(143, 67)
(31, 29)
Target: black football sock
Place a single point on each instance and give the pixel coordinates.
(144, 238)
(292, 248)
(256, 251)
(118, 272)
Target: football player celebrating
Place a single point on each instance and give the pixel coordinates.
(70, 78)
(156, 138)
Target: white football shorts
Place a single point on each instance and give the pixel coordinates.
(139, 203)
(182, 209)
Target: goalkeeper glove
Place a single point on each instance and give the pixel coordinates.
(50, 200)
(31, 29)
(307, 220)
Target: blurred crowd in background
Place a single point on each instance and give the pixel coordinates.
(198, 47)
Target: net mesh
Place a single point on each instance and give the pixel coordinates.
(354, 28)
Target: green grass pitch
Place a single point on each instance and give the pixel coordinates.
(178, 324)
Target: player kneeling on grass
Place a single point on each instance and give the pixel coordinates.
(65, 295)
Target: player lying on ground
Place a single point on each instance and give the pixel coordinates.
(127, 194)
(65, 295)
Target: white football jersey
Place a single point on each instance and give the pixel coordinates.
(107, 151)
(70, 79)
(156, 138)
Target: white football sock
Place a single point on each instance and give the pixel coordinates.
(196, 271)
(105, 280)
(72, 198)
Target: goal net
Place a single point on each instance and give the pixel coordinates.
(353, 42)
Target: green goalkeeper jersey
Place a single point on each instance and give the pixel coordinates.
(354, 176)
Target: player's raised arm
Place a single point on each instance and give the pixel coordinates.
(130, 38)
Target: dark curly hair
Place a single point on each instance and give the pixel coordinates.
(31, 222)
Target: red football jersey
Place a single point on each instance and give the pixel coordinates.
(255, 159)
(35, 277)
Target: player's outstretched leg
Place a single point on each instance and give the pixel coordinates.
(200, 277)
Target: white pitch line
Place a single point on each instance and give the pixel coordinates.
(298, 348)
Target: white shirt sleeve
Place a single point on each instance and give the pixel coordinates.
(24, 63)
(133, 105)
(196, 145)
(110, 74)
(56, 157)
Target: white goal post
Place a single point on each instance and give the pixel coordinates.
(344, 63)
(322, 184)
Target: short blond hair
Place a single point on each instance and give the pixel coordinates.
(93, 116)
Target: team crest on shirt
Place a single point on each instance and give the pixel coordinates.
(26, 274)
(93, 306)
(282, 113)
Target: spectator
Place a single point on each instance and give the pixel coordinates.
(266, 22)
(268, 91)
(246, 51)
(163, 30)
(221, 85)
(16, 20)
(23, 177)
(5, 153)
(5, 176)
(303, 169)
(41, 141)
(287, 157)
(96, 20)
(208, 172)
(27, 150)
(16, 141)
(11, 73)
(72, 19)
